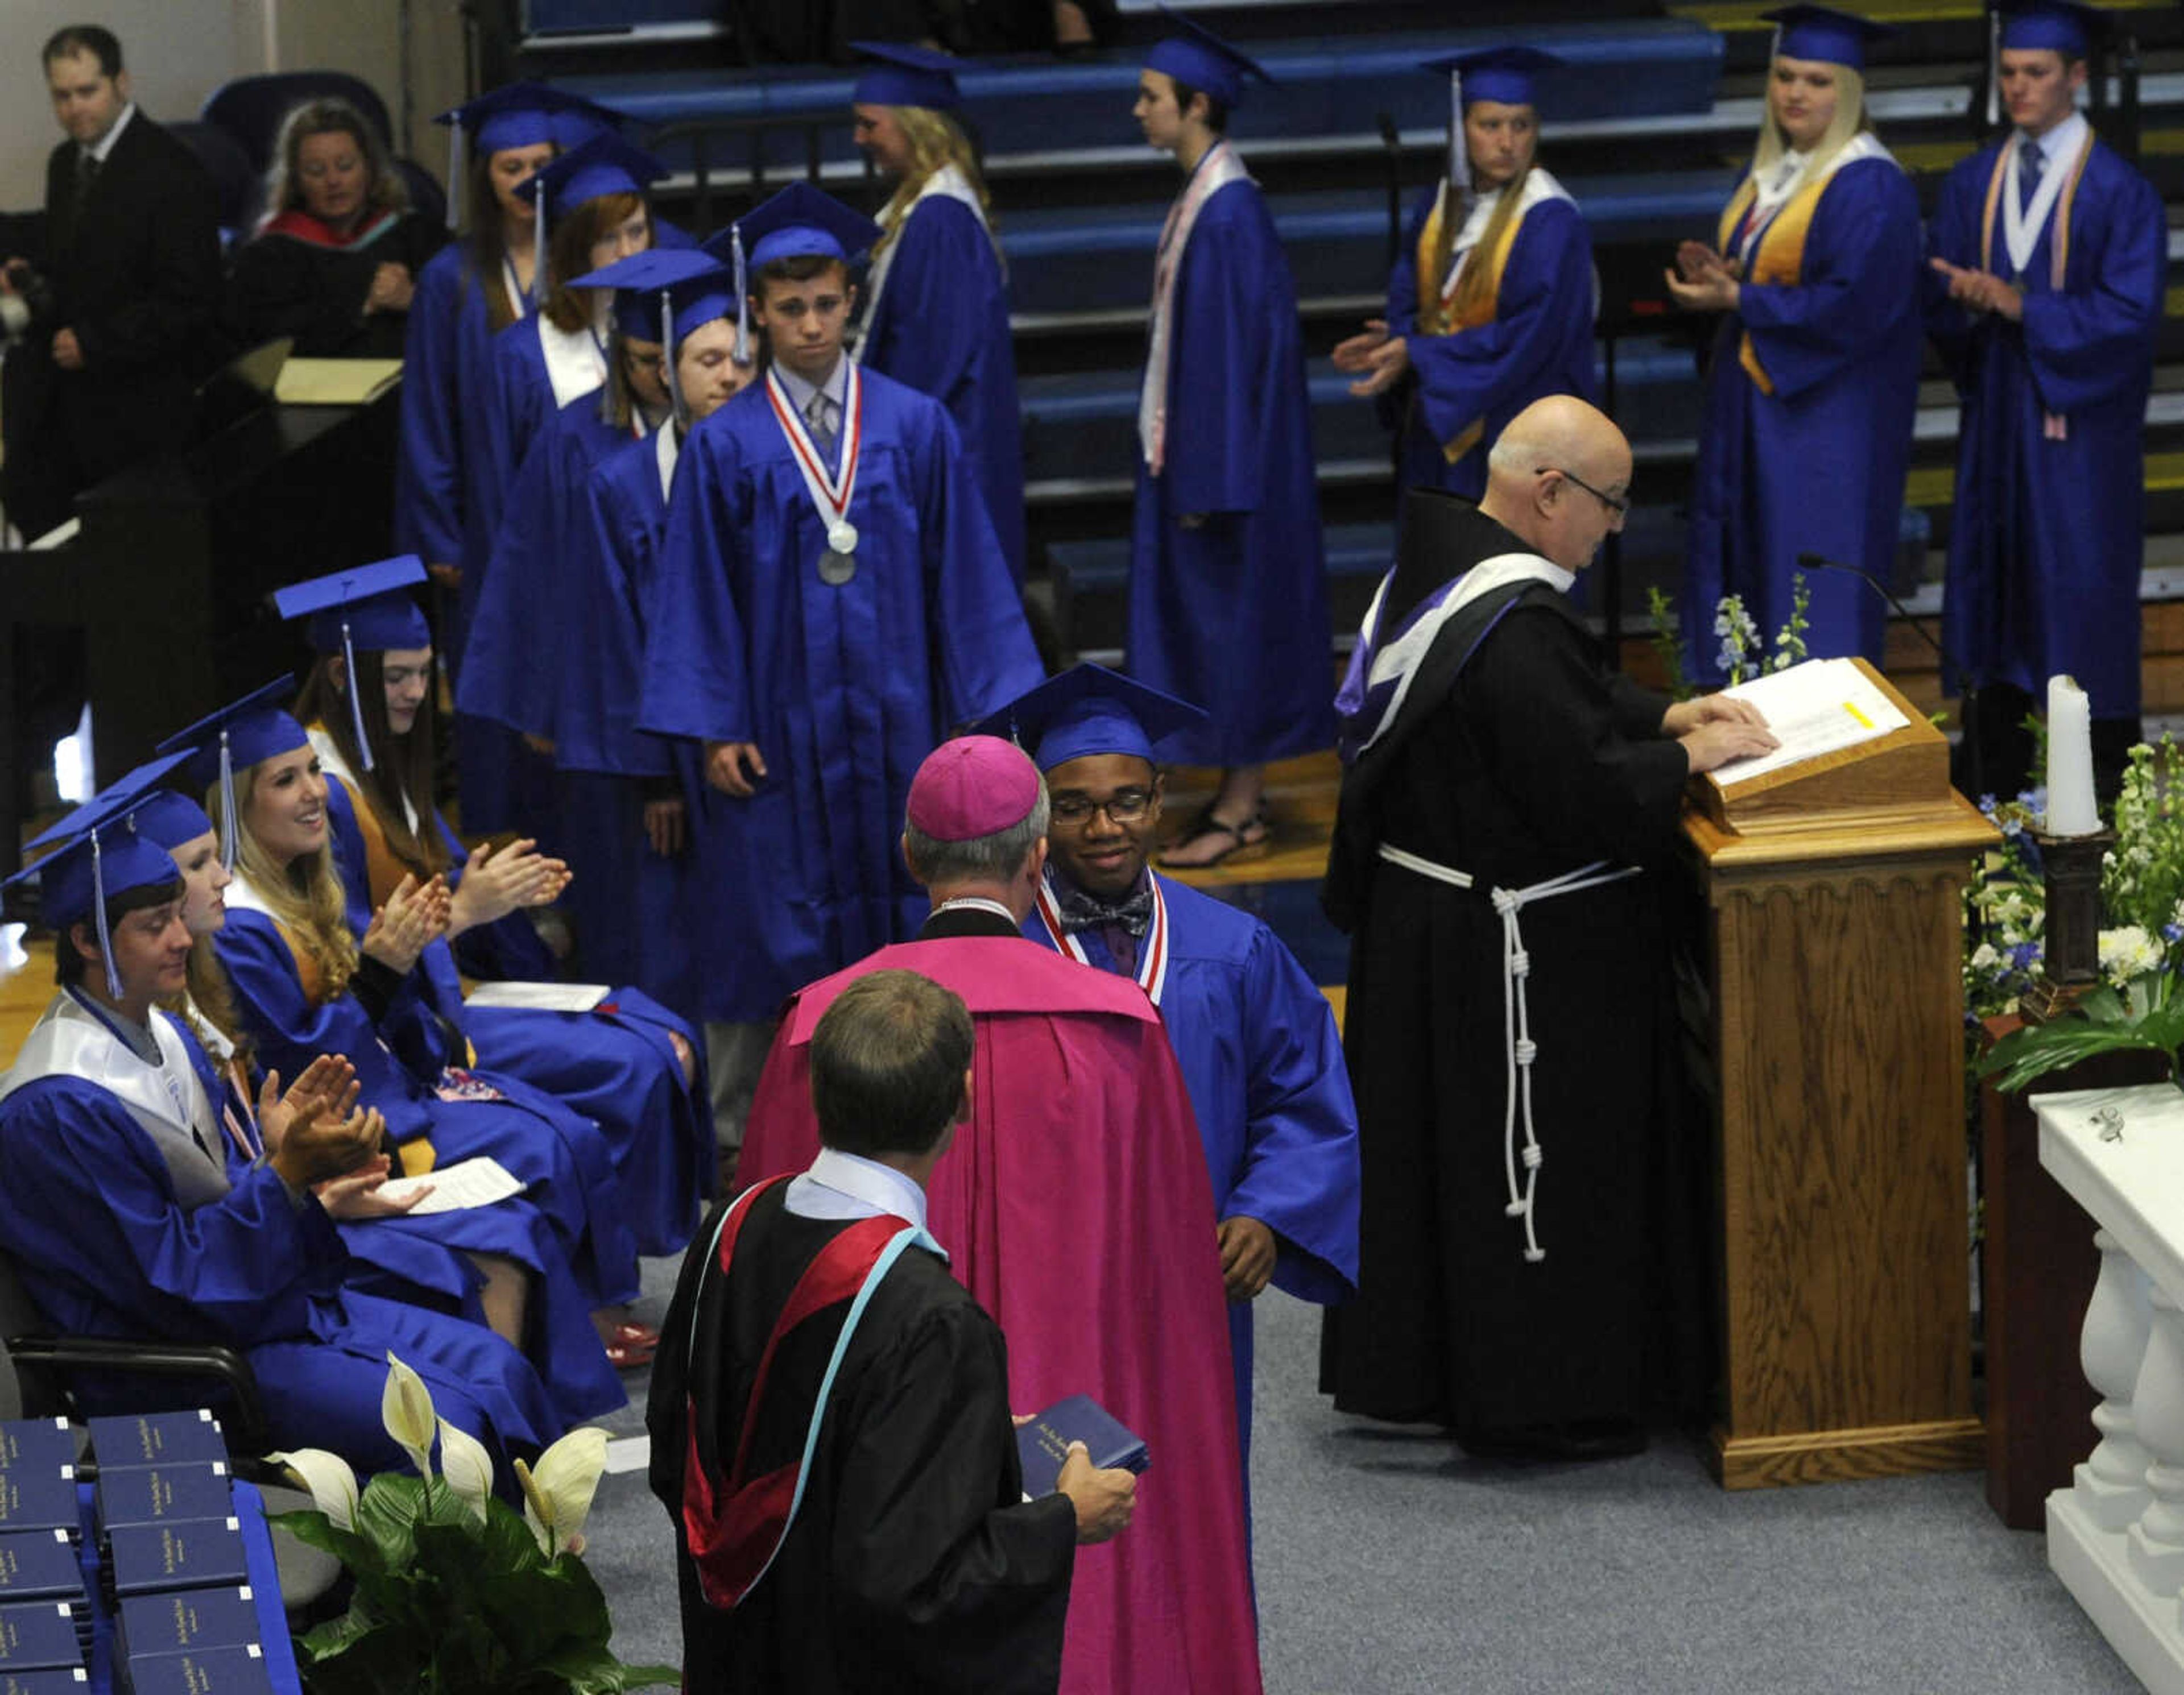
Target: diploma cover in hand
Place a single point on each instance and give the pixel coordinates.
(1043, 1443)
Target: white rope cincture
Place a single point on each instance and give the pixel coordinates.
(1517, 1042)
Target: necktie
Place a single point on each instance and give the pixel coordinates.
(86, 174)
(824, 418)
(2031, 162)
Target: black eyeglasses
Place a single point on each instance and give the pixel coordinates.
(1124, 806)
(1620, 504)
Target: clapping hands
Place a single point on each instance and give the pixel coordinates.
(497, 882)
(415, 916)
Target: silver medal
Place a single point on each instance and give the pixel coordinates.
(842, 537)
(837, 568)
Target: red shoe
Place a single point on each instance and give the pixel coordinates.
(632, 1345)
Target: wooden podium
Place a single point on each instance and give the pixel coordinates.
(1835, 1024)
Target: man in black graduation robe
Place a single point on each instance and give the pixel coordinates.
(1485, 737)
(910, 1561)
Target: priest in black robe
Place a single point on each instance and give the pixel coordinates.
(897, 1552)
(1502, 859)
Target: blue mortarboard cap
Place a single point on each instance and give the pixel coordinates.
(1823, 33)
(641, 280)
(1089, 709)
(605, 164)
(1198, 58)
(100, 854)
(517, 114)
(801, 219)
(241, 733)
(170, 819)
(906, 75)
(2062, 25)
(1507, 74)
(368, 608)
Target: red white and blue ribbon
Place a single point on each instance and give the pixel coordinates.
(831, 491)
(1152, 948)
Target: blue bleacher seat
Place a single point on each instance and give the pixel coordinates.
(1327, 85)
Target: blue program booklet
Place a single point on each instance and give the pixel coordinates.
(35, 1636)
(201, 1671)
(163, 1494)
(39, 1501)
(156, 1439)
(200, 1553)
(192, 1620)
(1044, 1442)
(40, 1566)
(36, 1444)
(52, 1681)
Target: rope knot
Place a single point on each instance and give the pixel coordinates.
(1534, 1153)
(1516, 1209)
(1533, 1255)
(1507, 901)
(1526, 1050)
(1520, 964)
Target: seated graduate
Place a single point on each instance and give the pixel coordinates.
(910, 1555)
(830, 600)
(1255, 1039)
(936, 299)
(498, 1265)
(632, 1065)
(124, 1219)
(1492, 299)
(1077, 1209)
(335, 260)
(305, 984)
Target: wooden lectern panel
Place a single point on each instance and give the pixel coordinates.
(1836, 937)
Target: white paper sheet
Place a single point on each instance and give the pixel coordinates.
(456, 1188)
(539, 997)
(1819, 706)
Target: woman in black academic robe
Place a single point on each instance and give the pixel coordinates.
(335, 262)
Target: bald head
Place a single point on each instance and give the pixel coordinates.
(1559, 478)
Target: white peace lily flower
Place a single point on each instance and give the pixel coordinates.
(467, 1467)
(2127, 951)
(1983, 957)
(557, 1497)
(405, 1408)
(327, 1476)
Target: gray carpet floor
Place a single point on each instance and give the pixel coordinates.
(1388, 1562)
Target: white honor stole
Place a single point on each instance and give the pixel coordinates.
(167, 1100)
(1766, 203)
(666, 449)
(576, 364)
(1540, 186)
(831, 491)
(1151, 975)
(1216, 171)
(947, 183)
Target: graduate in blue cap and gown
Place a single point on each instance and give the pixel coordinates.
(1815, 376)
(1257, 1040)
(830, 601)
(1492, 302)
(936, 298)
(305, 984)
(121, 1215)
(1228, 566)
(629, 1064)
(590, 203)
(498, 1265)
(2046, 277)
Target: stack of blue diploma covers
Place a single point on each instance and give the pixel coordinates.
(1043, 1443)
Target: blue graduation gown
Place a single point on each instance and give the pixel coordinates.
(1262, 1061)
(1231, 615)
(942, 326)
(91, 1216)
(1541, 343)
(420, 1260)
(562, 1157)
(1819, 464)
(447, 396)
(618, 1070)
(635, 918)
(844, 689)
(2046, 545)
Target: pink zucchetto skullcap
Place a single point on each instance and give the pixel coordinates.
(972, 787)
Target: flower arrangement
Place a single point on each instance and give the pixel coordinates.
(454, 1594)
(2005, 911)
(1743, 653)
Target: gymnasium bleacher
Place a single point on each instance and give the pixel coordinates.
(1647, 126)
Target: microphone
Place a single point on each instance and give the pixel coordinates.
(1816, 562)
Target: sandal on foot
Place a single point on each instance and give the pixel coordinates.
(1242, 845)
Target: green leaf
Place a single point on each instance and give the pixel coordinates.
(313, 1528)
(595, 1671)
(387, 1656)
(387, 1513)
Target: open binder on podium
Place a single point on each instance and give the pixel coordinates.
(1833, 881)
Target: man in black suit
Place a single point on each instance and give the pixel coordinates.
(123, 295)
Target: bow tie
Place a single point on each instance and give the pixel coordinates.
(1081, 911)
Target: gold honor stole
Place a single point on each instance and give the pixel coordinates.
(1434, 316)
(2052, 426)
(1780, 257)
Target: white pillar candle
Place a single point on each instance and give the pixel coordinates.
(2070, 808)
